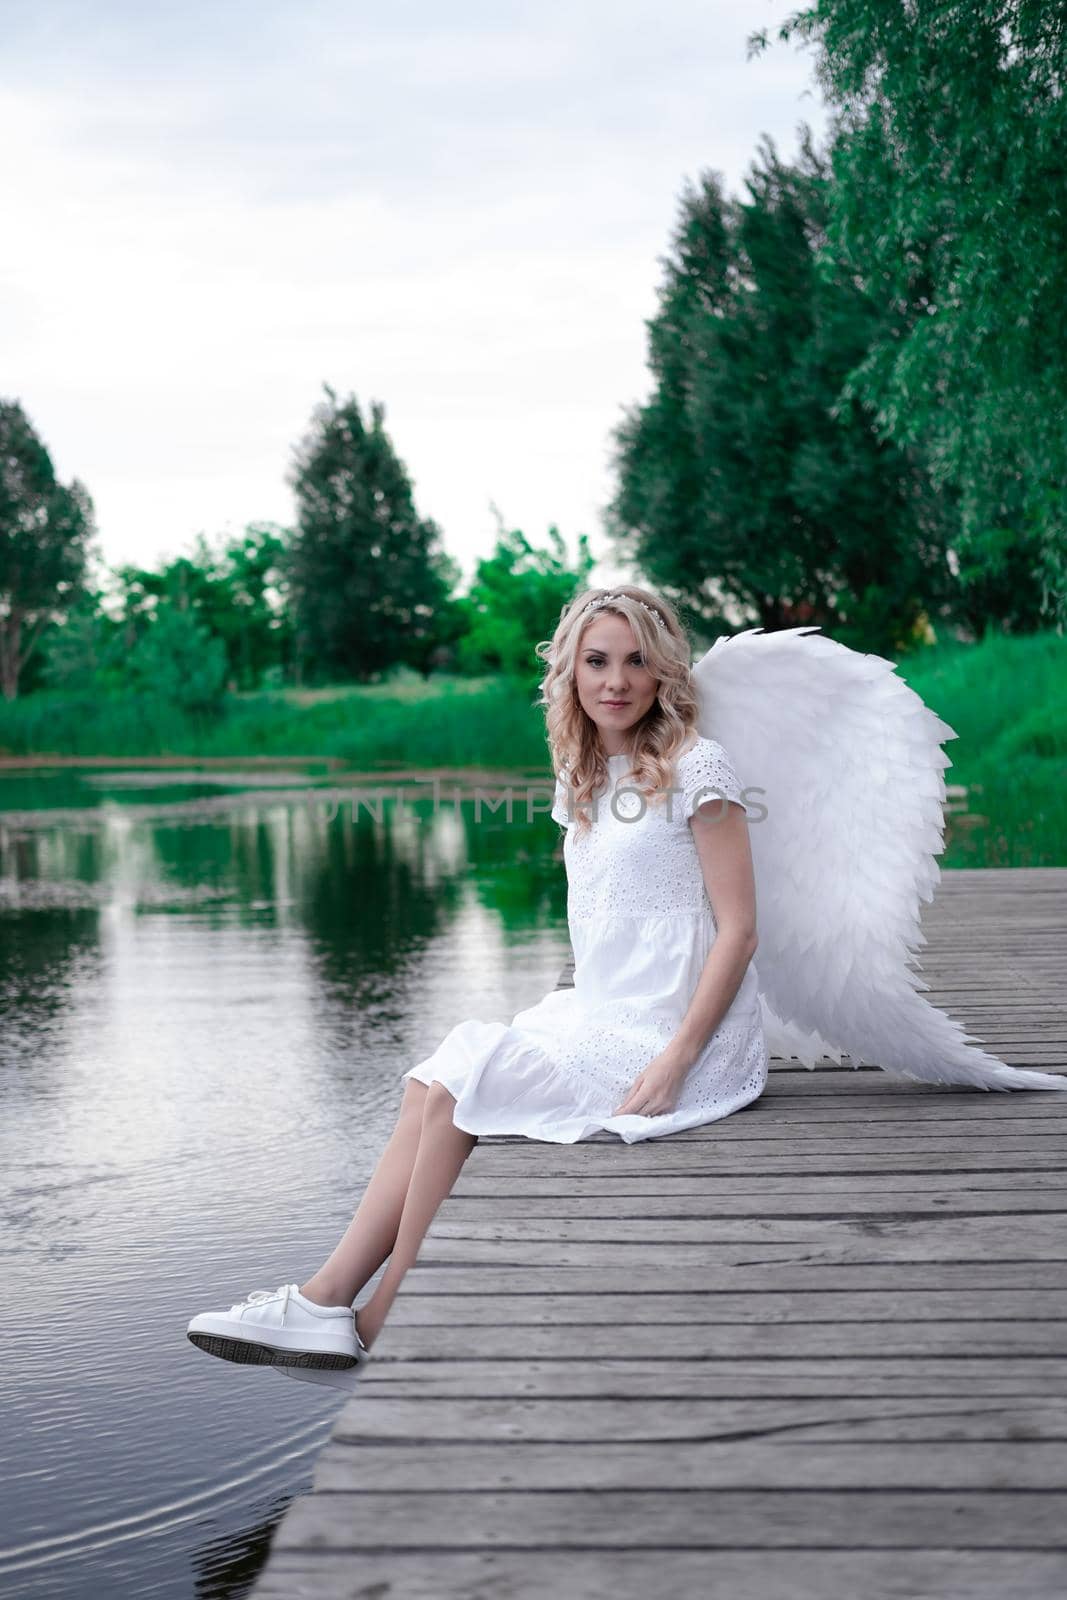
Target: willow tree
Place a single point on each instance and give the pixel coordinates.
(949, 207)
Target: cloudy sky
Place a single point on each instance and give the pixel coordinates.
(456, 208)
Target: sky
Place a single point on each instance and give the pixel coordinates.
(459, 209)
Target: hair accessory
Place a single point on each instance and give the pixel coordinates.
(603, 600)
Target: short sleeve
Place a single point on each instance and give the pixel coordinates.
(706, 773)
(559, 804)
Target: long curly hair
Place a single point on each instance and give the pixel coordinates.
(657, 740)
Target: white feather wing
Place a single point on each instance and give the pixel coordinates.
(851, 769)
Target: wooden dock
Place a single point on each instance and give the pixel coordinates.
(815, 1351)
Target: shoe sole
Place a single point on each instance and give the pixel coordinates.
(249, 1354)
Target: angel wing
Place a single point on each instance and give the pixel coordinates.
(846, 759)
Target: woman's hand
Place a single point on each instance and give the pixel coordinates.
(655, 1091)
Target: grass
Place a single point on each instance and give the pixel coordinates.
(443, 722)
(1006, 698)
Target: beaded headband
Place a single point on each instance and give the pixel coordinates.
(604, 599)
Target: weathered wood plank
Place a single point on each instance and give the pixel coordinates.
(791, 1080)
(870, 1133)
(435, 1277)
(944, 1139)
(947, 1113)
(684, 1466)
(471, 1186)
(664, 1306)
(842, 1378)
(693, 1158)
(695, 1519)
(719, 1341)
(756, 1248)
(637, 1419)
(710, 1202)
(722, 1574)
(1033, 1236)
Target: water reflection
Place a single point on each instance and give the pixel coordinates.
(206, 1018)
(229, 1566)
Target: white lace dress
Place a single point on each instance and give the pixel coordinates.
(641, 927)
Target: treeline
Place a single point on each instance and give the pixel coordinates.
(360, 585)
(858, 417)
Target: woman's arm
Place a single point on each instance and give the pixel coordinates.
(726, 861)
(720, 832)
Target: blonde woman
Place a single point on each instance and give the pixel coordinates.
(669, 1022)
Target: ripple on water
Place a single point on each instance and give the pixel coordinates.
(41, 894)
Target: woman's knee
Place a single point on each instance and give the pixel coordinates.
(412, 1103)
(438, 1119)
(439, 1103)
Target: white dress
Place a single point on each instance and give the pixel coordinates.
(641, 927)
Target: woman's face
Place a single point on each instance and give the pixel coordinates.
(610, 668)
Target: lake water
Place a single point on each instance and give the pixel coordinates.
(210, 988)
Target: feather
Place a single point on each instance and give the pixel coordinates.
(847, 761)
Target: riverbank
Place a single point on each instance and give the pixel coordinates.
(1006, 698)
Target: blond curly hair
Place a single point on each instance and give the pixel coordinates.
(666, 729)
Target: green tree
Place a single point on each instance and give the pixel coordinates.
(45, 528)
(516, 596)
(237, 591)
(949, 208)
(178, 660)
(744, 488)
(86, 648)
(257, 624)
(367, 575)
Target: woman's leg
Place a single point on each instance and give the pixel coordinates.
(371, 1234)
(443, 1148)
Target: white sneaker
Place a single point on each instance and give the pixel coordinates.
(281, 1327)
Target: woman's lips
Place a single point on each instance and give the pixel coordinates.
(615, 703)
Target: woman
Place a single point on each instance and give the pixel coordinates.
(668, 1024)
(662, 1029)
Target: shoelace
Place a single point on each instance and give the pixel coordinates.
(258, 1296)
